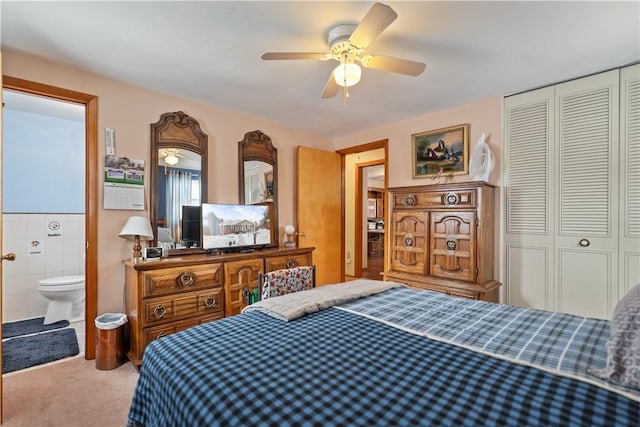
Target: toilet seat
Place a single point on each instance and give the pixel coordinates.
(61, 283)
(62, 280)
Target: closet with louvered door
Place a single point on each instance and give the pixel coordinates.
(564, 206)
(629, 259)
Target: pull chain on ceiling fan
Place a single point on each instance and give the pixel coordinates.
(347, 44)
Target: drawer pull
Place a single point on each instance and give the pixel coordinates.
(290, 263)
(160, 335)
(186, 279)
(451, 199)
(209, 301)
(409, 200)
(159, 311)
(451, 245)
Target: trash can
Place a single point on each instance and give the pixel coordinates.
(110, 340)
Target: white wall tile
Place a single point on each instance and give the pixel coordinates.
(61, 255)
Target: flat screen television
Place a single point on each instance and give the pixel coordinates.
(191, 226)
(229, 228)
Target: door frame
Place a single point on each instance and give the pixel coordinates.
(91, 197)
(357, 253)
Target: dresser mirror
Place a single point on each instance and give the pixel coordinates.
(178, 183)
(258, 175)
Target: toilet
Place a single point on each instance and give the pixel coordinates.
(66, 298)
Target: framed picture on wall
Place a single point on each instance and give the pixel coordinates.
(441, 151)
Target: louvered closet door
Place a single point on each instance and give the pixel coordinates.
(586, 158)
(630, 182)
(529, 178)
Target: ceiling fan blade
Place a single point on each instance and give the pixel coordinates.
(396, 65)
(331, 88)
(374, 22)
(294, 55)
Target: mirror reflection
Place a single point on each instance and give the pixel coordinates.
(258, 175)
(178, 186)
(258, 182)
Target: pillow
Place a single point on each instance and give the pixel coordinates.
(623, 345)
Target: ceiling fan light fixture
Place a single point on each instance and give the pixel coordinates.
(347, 74)
(171, 159)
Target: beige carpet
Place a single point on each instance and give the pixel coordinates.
(68, 393)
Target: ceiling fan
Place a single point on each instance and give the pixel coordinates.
(347, 45)
(171, 156)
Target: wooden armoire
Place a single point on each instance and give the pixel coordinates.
(441, 238)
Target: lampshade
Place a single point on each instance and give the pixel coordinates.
(347, 74)
(289, 240)
(137, 226)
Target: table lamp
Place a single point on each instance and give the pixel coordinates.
(290, 239)
(137, 228)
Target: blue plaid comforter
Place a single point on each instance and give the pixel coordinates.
(558, 342)
(337, 368)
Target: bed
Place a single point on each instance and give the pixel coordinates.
(381, 354)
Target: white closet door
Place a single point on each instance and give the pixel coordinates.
(529, 178)
(630, 182)
(586, 156)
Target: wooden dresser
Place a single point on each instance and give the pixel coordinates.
(441, 238)
(172, 294)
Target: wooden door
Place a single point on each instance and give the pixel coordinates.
(319, 211)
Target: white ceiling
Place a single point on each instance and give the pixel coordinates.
(210, 51)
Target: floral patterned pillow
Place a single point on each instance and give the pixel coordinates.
(623, 345)
(286, 281)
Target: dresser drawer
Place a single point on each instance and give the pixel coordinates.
(465, 198)
(286, 261)
(183, 305)
(180, 279)
(155, 332)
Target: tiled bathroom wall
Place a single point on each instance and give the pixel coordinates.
(46, 245)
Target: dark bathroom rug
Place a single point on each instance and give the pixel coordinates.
(25, 352)
(29, 326)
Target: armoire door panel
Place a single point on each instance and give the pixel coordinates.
(528, 274)
(453, 245)
(240, 276)
(586, 287)
(409, 234)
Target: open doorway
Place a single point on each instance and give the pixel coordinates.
(359, 163)
(373, 234)
(90, 103)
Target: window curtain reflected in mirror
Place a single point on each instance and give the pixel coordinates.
(178, 195)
